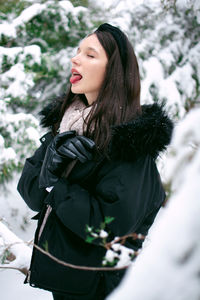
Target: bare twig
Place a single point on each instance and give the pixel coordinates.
(23, 270)
(123, 238)
(8, 246)
(61, 262)
(87, 268)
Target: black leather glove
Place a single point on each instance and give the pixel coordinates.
(78, 147)
(53, 164)
(64, 148)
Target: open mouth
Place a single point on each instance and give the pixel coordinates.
(75, 76)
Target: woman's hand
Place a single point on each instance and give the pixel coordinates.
(64, 148)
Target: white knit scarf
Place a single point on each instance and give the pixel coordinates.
(74, 117)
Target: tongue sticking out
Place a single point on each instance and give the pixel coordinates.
(75, 78)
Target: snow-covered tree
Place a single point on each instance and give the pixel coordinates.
(167, 44)
(18, 137)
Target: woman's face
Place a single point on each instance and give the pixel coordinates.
(88, 68)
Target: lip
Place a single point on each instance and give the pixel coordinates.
(76, 76)
(75, 71)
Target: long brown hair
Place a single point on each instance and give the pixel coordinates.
(119, 97)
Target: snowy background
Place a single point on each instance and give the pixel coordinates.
(37, 39)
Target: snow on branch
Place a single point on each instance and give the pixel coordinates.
(14, 253)
(26, 15)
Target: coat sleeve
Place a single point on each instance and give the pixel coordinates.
(28, 185)
(129, 192)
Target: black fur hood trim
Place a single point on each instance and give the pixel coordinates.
(148, 134)
(51, 112)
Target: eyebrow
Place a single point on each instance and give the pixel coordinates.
(89, 48)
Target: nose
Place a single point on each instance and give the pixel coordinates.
(75, 60)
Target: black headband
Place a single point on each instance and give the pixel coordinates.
(120, 39)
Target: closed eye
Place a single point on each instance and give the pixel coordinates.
(90, 55)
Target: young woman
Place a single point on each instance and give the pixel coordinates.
(97, 160)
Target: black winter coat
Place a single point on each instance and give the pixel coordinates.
(127, 187)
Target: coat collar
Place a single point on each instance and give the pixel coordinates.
(147, 134)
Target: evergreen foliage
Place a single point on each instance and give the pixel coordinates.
(169, 35)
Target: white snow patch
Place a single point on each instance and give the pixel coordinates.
(16, 246)
(32, 133)
(103, 234)
(9, 29)
(17, 80)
